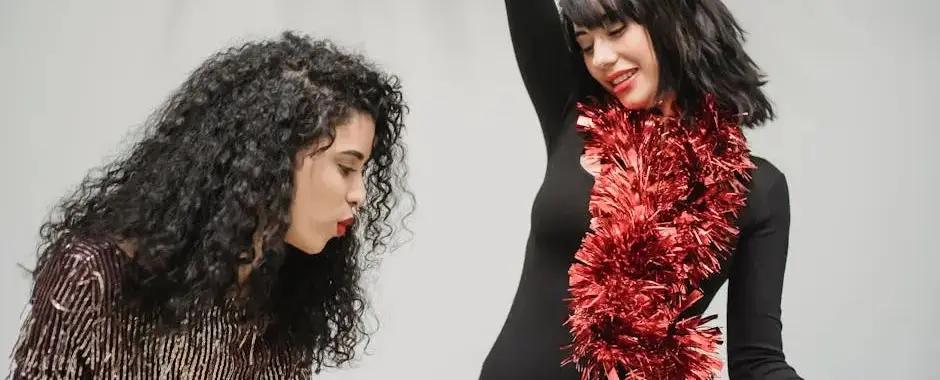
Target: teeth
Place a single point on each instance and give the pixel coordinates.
(623, 77)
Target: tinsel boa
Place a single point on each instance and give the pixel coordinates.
(664, 208)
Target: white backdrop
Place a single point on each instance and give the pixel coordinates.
(853, 80)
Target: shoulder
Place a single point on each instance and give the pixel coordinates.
(80, 273)
(768, 192)
(88, 255)
(764, 177)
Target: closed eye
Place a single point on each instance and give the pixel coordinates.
(615, 31)
(345, 170)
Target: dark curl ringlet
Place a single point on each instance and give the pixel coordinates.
(699, 47)
(211, 180)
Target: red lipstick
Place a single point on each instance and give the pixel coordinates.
(624, 85)
(343, 225)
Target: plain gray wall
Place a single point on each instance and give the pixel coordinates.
(852, 80)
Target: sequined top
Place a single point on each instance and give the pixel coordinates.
(75, 330)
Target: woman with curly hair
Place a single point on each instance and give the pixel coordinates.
(217, 248)
(651, 200)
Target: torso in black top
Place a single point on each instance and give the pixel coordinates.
(530, 343)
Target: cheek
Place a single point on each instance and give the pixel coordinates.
(321, 194)
(639, 52)
(649, 63)
(651, 81)
(305, 194)
(643, 54)
(304, 209)
(635, 46)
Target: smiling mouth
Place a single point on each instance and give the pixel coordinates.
(621, 81)
(622, 77)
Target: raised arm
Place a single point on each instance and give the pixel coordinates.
(542, 56)
(755, 347)
(56, 337)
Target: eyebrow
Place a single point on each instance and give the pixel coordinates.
(354, 153)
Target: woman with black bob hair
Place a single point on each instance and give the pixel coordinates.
(651, 199)
(217, 247)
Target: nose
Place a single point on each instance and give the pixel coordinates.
(604, 55)
(357, 194)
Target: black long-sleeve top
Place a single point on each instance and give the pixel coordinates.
(529, 345)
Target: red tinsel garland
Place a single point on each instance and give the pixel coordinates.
(664, 208)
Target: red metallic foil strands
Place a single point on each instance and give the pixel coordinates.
(664, 208)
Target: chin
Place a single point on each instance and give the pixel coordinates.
(633, 102)
(315, 249)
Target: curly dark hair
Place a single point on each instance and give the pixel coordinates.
(214, 168)
(699, 46)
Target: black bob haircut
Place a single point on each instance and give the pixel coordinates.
(698, 45)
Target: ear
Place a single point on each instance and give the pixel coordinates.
(304, 153)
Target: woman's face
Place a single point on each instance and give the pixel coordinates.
(329, 185)
(620, 56)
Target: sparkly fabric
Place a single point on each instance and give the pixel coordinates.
(664, 214)
(75, 330)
